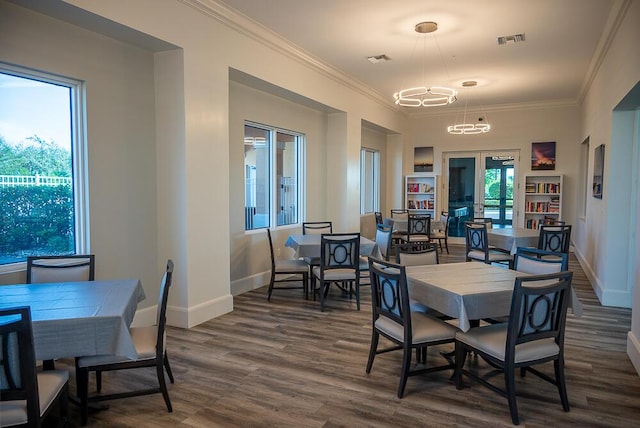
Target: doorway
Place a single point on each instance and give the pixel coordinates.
(479, 184)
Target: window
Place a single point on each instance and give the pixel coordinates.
(369, 181)
(42, 165)
(272, 176)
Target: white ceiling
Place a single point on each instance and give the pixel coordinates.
(564, 40)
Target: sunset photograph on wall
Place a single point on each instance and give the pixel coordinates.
(543, 156)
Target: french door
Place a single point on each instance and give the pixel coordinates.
(480, 184)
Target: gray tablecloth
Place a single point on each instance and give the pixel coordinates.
(510, 239)
(78, 318)
(309, 246)
(468, 291)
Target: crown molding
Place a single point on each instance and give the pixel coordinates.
(616, 16)
(252, 29)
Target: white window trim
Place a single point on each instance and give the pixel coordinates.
(79, 154)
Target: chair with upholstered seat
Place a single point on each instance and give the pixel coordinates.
(289, 268)
(477, 245)
(72, 267)
(27, 397)
(151, 353)
(441, 235)
(417, 254)
(339, 264)
(75, 267)
(383, 248)
(399, 215)
(555, 238)
(317, 227)
(418, 229)
(532, 260)
(394, 320)
(533, 335)
(378, 216)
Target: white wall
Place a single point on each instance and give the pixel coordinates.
(119, 81)
(513, 129)
(607, 227)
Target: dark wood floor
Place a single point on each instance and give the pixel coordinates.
(285, 364)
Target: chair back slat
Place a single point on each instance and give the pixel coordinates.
(417, 254)
(389, 293)
(17, 360)
(534, 261)
(340, 251)
(555, 238)
(77, 267)
(161, 314)
(383, 240)
(538, 309)
(317, 227)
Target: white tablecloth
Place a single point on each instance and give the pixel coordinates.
(468, 291)
(510, 239)
(78, 318)
(309, 246)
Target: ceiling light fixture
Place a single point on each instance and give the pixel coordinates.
(423, 96)
(465, 128)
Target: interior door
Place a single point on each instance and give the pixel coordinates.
(479, 184)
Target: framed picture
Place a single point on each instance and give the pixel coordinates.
(543, 156)
(598, 171)
(423, 159)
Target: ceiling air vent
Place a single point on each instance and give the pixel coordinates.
(378, 58)
(515, 38)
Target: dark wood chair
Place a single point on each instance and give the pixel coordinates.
(378, 216)
(555, 238)
(533, 335)
(394, 320)
(76, 267)
(151, 349)
(339, 264)
(532, 260)
(73, 267)
(441, 235)
(27, 397)
(417, 253)
(418, 229)
(289, 268)
(477, 245)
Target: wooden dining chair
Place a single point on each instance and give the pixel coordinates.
(27, 396)
(75, 267)
(394, 320)
(378, 216)
(290, 268)
(151, 353)
(317, 227)
(555, 238)
(533, 335)
(339, 264)
(441, 235)
(477, 245)
(418, 228)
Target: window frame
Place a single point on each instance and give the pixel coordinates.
(79, 152)
(376, 174)
(300, 142)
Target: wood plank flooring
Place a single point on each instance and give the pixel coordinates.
(285, 364)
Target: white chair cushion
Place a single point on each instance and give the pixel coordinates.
(425, 328)
(492, 339)
(418, 259)
(50, 383)
(336, 274)
(536, 267)
(493, 255)
(144, 339)
(292, 266)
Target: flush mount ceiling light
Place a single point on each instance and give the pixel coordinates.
(466, 128)
(425, 96)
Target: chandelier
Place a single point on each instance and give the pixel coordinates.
(423, 96)
(466, 128)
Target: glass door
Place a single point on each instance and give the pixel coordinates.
(479, 184)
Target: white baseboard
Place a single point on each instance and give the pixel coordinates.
(186, 317)
(607, 297)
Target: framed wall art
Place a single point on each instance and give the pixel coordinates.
(423, 159)
(543, 156)
(598, 171)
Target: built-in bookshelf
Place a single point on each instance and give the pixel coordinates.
(542, 199)
(421, 194)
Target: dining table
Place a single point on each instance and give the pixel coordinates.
(509, 239)
(468, 291)
(308, 246)
(72, 319)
